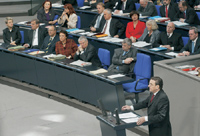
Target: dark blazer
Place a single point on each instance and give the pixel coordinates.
(92, 5)
(118, 58)
(191, 16)
(51, 46)
(188, 47)
(150, 10)
(130, 6)
(41, 15)
(15, 34)
(94, 20)
(116, 27)
(90, 55)
(158, 114)
(174, 41)
(172, 10)
(73, 2)
(42, 33)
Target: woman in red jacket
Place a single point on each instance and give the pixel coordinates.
(135, 28)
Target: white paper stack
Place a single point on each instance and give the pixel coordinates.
(141, 44)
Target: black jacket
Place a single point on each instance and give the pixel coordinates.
(15, 34)
(172, 10)
(130, 6)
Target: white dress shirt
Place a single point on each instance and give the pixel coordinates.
(35, 38)
(107, 28)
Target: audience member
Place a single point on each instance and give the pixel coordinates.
(157, 105)
(147, 8)
(50, 41)
(135, 28)
(151, 33)
(124, 6)
(91, 3)
(68, 18)
(36, 35)
(169, 39)
(46, 14)
(111, 27)
(109, 4)
(11, 34)
(86, 52)
(66, 46)
(186, 14)
(124, 58)
(193, 45)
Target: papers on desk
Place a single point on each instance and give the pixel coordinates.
(143, 17)
(16, 48)
(22, 22)
(140, 44)
(172, 54)
(114, 40)
(57, 5)
(87, 33)
(30, 50)
(36, 52)
(193, 72)
(115, 76)
(186, 67)
(99, 71)
(85, 7)
(75, 30)
(178, 23)
(81, 63)
(123, 14)
(128, 117)
(131, 120)
(54, 56)
(158, 49)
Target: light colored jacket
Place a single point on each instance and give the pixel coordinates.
(154, 37)
(72, 21)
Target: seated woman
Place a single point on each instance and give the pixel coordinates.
(46, 14)
(11, 34)
(151, 33)
(91, 3)
(135, 28)
(65, 46)
(68, 18)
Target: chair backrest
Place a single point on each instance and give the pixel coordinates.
(56, 17)
(185, 40)
(78, 25)
(104, 56)
(137, 5)
(158, 9)
(22, 35)
(80, 3)
(198, 14)
(143, 67)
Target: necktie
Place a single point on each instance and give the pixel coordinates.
(124, 53)
(184, 15)
(50, 40)
(105, 27)
(152, 98)
(98, 21)
(192, 47)
(166, 11)
(123, 6)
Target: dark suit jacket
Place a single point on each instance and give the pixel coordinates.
(92, 5)
(42, 33)
(150, 10)
(191, 16)
(116, 27)
(188, 47)
(118, 58)
(51, 46)
(130, 6)
(158, 114)
(73, 2)
(90, 55)
(172, 10)
(15, 34)
(41, 15)
(95, 18)
(174, 41)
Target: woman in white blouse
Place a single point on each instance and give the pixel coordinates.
(68, 18)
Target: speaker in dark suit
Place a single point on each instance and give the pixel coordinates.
(126, 6)
(157, 105)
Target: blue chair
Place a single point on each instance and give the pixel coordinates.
(198, 14)
(80, 3)
(185, 40)
(78, 45)
(56, 17)
(22, 37)
(137, 5)
(78, 25)
(142, 71)
(104, 56)
(158, 9)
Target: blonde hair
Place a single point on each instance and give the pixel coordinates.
(8, 18)
(153, 24)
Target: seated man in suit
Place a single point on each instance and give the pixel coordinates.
(168, 9)
(11, 34)
(124, 58)
(147, 8)
(86, 52)
(36, 35)
(99, 18)
(157, 105)
(50, 41)
(91, 3)
(111, 27)
(193, 45)
(186, 14)
(124, 6)
(169, 39)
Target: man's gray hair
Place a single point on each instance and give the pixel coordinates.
(127, 41)
(82, 38)
(194, 28)
(109, 11)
